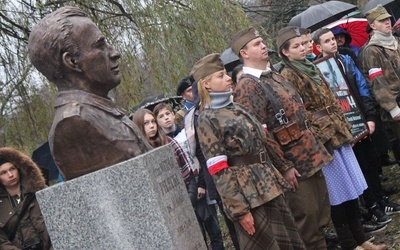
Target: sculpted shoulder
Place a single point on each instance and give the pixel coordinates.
(71, 109)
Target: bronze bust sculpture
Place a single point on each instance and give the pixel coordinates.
(88, 132)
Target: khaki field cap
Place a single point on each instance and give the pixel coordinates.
(288, 33)
(377, 13)
(242, 38)
(207, 66)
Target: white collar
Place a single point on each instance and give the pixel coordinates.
(255, 72)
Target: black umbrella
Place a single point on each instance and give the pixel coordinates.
(319, 15)
(392, 6)
(151, 102)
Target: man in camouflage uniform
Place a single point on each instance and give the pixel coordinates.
(309, 200)
(381, 66)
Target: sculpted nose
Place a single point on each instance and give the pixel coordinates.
(114, 53)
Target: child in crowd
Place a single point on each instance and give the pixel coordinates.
(165, 118)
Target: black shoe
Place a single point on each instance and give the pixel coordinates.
(389, 207)
(378, 215)
(373, 228)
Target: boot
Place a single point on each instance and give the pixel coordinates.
(371, 246)
(346, 238)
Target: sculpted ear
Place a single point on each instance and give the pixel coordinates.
(70, 62)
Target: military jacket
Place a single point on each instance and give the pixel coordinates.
(385, 87)
(333, 127)
(89, 133)
(307, 153)
(232, 131)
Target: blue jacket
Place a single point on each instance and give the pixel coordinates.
(359, 87)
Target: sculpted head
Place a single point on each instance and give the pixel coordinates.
(70, 51)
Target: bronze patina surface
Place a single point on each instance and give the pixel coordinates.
(88, 132)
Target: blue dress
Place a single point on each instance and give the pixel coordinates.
(343, 176)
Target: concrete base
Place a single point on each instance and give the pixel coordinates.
(141, 203)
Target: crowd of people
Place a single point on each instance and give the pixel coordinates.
(284, 124)
(267, 145)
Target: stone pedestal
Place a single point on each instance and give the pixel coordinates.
(141, 203)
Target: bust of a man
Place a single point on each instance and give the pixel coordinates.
(88, 131)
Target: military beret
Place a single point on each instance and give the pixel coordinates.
(184, 84)
(207, 66)
(287, 33)
(377, 13)
(242, 38)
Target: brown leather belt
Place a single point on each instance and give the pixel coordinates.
(323, 112)
(248, 159)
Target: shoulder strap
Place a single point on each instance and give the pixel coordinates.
(384, 52)
(388, 58)
(20, 215)
(278, 110)
(267, 92)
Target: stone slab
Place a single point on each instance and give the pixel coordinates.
(141, 203)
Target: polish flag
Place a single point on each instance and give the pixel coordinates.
(217, 164)
(374, 72)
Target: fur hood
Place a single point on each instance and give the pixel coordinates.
(32, 179)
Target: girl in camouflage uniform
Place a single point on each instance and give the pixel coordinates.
(343, 175)
(234, 144)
